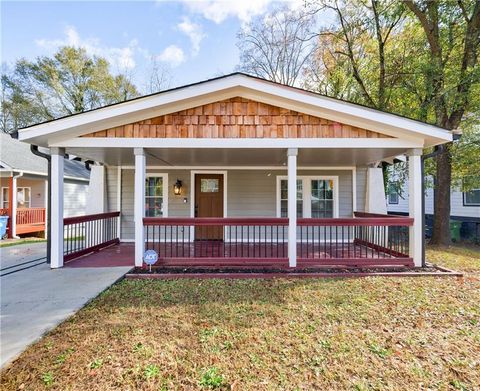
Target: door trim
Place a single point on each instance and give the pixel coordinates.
(192, 189)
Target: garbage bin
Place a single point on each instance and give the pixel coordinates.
(3, 226)
(455, 230)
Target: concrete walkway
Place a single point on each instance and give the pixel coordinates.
(35, 300)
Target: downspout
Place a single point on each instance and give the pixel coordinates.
(35, 151)
(14, 205)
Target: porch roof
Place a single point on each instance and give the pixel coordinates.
(237, 157)
(60, 131)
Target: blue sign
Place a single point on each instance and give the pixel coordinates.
(150, 257)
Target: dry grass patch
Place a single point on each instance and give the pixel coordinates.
(359, 334)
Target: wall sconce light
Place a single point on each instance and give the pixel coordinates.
(177, 187)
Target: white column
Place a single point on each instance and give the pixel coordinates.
(46, 209)
(139, 210)
(375, 199)
(14, 207)
(292, 207)
(415, 205)
(57, 156)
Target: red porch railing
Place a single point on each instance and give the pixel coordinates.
(369, 240)
(89, 233)
(218, 241)
(3, 211)
(350, 242)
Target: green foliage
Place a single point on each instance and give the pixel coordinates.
(69, 82)
(95, 364)
(211, 378)
(151, 371)
(47, 378)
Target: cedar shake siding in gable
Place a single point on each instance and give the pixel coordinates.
(237, 118)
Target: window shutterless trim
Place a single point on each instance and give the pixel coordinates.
(464, 198)
(307, 194)
(165, 187)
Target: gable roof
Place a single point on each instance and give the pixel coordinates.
(224, 87)
(16, 156)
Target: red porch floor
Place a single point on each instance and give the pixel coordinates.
(243, 255)
(117, 255)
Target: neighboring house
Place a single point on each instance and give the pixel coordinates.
(464, 208)
(23, 179)
(240, 170)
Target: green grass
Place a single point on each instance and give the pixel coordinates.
(332, 334)
(21, 241)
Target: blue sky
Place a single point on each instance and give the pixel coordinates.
(193, 40)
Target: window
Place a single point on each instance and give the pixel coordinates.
(23, 197)
(471, 198)
(321, 198)
(209, 185)
(284, 198)
(156, 196)
(5, 197)
(392, 194)
(316, 197)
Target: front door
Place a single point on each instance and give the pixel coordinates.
(208, 203)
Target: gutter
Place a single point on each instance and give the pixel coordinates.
(35, 151)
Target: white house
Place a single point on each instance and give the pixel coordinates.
(238, 170)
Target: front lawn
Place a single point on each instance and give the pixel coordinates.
(358, 334)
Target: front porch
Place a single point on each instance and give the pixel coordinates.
(364, 241)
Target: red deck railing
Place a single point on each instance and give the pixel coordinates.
(369, 240)
(89, 233)
(31, 216)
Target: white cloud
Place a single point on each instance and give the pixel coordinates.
(194, 32)
(121, 58)
(219, 10)
(172, 55)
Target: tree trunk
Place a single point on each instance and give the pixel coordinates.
(441, 221)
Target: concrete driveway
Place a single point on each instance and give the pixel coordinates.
(35, 300)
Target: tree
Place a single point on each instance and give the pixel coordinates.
(159, 79)
(277, 46)
(362, 42)
(50, 87)
(452, 33)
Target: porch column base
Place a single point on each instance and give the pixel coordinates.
(56, 230)
(139, 210)
(415, 205)
(292, 207)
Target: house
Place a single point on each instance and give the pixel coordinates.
(239, 170)
(465, 209)
(24, 179)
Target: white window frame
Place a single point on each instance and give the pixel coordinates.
(29, 192)
(3, 200)
(307, 193)
(18, 188)
(166, 185)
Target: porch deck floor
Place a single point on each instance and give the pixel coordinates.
(219, 254)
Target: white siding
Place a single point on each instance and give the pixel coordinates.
(74, 198)
(457, 207)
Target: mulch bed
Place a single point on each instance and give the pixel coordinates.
(231, 272)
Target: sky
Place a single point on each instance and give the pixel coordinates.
(192, 40)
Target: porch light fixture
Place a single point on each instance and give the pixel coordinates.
(177, 187)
